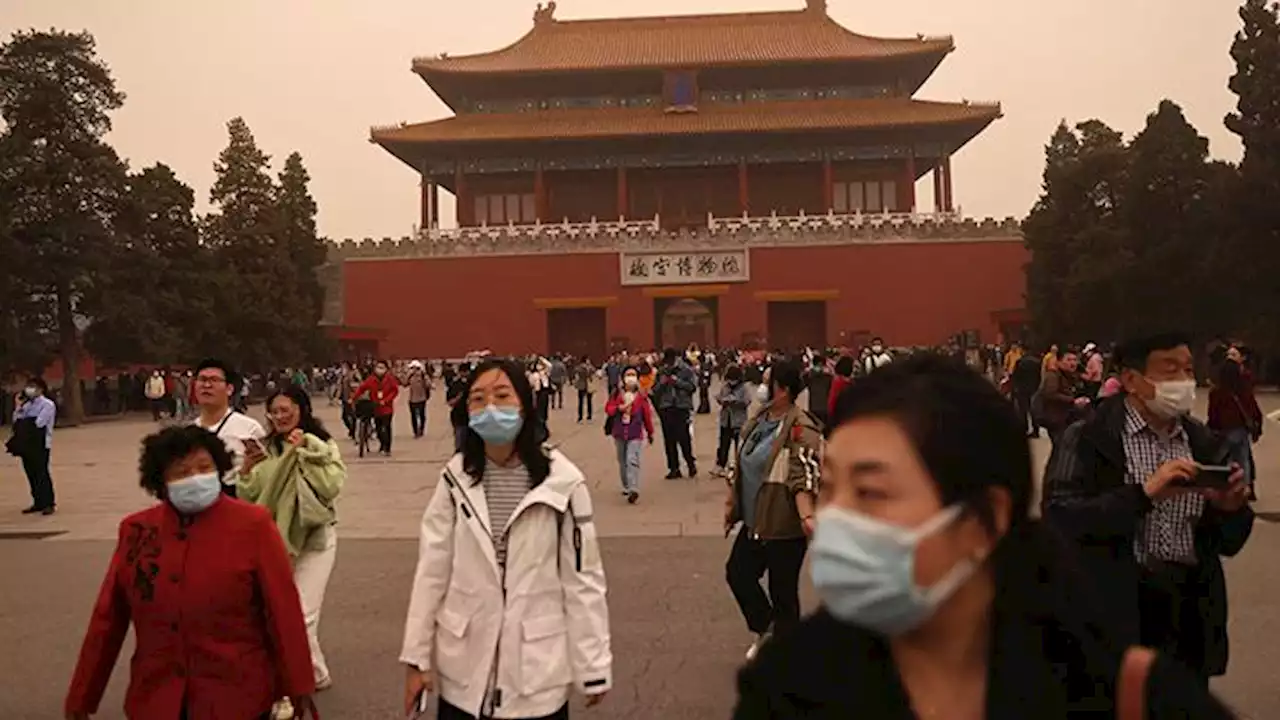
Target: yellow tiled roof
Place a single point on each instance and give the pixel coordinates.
(798, 115)
(683, 41)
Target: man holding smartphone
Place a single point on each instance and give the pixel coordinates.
(1153, 502)
(215, 386)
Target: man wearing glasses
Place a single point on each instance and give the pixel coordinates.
(215, 387)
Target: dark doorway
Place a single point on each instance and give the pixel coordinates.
(578, 332)
(680, 322)
(793, 325)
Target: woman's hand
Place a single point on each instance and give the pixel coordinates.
(416, 683)
(296, 437)
(594, 700)
(253, 454)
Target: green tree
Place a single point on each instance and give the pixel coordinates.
(149, 307)
(306, 254)
(253, 309)
(1050, 248)
(1254, 251)
(56, 97)
(1076, 236)
(1172, 224)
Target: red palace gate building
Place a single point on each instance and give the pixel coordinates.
(734, 180)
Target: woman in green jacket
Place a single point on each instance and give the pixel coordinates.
(297, 473)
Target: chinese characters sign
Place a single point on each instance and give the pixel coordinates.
(676, 268)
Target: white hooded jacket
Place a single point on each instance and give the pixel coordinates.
(510, 642)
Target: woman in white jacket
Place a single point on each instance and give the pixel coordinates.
(508, 611)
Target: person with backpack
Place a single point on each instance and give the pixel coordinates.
(508, 615)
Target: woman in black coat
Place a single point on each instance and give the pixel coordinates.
(941, 597)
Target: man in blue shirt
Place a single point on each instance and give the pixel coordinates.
(39, 412)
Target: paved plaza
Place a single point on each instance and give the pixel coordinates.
(677, 636)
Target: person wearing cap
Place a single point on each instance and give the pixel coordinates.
(419, 383)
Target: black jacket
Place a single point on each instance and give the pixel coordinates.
(829, 670)
(1087, 499)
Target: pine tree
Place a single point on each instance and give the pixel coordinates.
(1073, 227)
(1254, 209)
(306, 252)
(253, 307)
(63, 182)
(149, 307)
(1171, 226)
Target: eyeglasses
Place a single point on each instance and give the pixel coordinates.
(210, 380)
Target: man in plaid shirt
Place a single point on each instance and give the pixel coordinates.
(1122, 486)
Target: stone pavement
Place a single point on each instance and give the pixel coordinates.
(677, 635)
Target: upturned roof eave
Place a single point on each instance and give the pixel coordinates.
(451, 67)
(411, 151)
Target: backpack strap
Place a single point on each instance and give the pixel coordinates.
(1131, 685)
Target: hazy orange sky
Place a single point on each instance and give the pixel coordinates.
(314, 75)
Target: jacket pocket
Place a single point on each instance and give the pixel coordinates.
(544, 654)
(451, 646)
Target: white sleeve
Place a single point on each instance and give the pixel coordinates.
(431, 579)
(586, 606)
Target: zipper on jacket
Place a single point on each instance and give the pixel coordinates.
(493, 694)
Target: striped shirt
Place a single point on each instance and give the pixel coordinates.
(504, 488)
(1168, 532)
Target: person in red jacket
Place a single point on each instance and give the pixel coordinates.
(382, 388)
(205, 581)
(842, 380)
(1235, 414)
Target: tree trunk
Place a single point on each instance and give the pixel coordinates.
(69, 346)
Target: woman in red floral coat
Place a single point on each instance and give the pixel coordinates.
(206, 582)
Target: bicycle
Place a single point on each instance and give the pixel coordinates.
(364, 425)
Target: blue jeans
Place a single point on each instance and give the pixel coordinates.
(629, 463)
(1241, 445)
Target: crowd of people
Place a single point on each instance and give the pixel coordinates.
(906, 476)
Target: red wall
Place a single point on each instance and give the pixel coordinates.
(910, 293)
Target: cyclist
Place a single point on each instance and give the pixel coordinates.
(382, 388)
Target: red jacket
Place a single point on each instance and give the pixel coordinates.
(382, 391)
(838, 384)
(215, 613)
(1231, 411)
(639, 406)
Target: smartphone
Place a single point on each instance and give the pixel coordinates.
(420, 705)
(253, 445)
(1212, 476)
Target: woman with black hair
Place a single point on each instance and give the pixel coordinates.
(297, 474)
(205, 581)
(941, 597)
(1235, 414)
(508, 609)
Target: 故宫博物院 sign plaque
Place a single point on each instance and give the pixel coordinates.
(684, 267)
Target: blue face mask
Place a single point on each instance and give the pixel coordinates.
(497, 425)
(864, 570)
(195, 494)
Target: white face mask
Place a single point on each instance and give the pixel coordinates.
(1173, 398)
